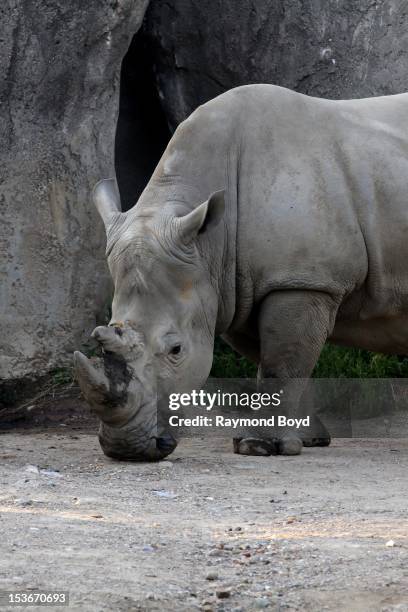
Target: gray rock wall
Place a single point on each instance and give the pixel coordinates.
(326, 48)
(59, 92)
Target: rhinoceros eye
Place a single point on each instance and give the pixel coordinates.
(175, 350)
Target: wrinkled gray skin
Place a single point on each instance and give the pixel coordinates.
(275, 219)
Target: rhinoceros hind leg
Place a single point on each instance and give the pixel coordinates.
(318, 435)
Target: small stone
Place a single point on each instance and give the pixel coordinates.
(238, 528)
(223, 593)
(291, 519)
(97, 516)
(24, 502)
(163, 493)
(261, 603)
(148, 548)
(51, 473)
(390, 543)
(212, 576)
(33, 469)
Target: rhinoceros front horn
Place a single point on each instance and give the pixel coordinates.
(93, 383)
(107, 201)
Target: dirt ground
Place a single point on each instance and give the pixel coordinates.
(205, 530)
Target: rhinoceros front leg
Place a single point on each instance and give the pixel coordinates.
(293, 328)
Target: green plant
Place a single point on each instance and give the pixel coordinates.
(342, 362)
(62, 376)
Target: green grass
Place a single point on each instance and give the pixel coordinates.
(342, 362)
(334, 362)
(228, 364)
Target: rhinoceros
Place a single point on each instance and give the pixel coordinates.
(276, 220)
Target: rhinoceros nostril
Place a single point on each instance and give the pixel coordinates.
(118, 331)
(166, 444)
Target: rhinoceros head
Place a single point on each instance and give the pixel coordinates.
(161, 335)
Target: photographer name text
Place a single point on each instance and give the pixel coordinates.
(221, 421)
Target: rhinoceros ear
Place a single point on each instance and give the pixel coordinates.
(204, 217)
(106, 198)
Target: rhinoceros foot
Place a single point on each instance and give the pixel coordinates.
(267, 447)
(255, 446)
(317, 434)
(317, 442)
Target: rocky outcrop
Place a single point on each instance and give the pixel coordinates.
(60, 66)
(59, 98)
(324, 48)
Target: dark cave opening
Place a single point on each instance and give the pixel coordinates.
(142, 132)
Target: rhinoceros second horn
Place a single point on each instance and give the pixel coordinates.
(107, 200)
